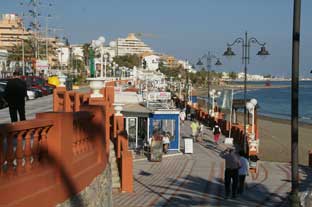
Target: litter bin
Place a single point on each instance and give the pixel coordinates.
(188, 145)
(156, 150)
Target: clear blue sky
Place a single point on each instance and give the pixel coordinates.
(189, 28)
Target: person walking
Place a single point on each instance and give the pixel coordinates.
(182, 116)
(193, 114)
(216, 133)
(200, 132)
(232, 164)
(15, 93)
(242, 172)
(194, 127)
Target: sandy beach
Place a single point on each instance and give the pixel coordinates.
(275, 138)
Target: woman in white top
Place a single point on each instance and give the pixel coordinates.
(242, 172)
(166, 142)
(182, 116)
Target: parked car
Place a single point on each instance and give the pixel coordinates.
(38, 92)
(30, 94)
(49, 89)
(38, 82)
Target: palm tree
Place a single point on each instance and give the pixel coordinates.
(86, 56)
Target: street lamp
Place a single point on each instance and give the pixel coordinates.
(105, 63)
(99, 44)
(214, 94)
(208, 58)
(23, 53)
(251, 105)
(246, 44)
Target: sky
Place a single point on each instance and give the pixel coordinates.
(188, 29)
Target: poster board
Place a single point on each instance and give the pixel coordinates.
(188, 145)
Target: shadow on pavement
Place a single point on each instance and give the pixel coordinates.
(196, 191)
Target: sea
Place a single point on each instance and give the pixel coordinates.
(276, 102)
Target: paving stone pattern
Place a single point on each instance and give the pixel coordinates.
(197, 180)
(41, 104)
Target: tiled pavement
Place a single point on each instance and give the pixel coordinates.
(197, 180)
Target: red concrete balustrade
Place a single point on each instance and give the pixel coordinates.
(47, 160)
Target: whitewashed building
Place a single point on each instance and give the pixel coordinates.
(185, 64)
(63, 54)
(3, 59)
(152, 62)
(77, 51)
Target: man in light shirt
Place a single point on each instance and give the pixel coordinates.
(232, 165)
(242, 172)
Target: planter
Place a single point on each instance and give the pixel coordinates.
(96, 84)
(118, 107)
(62, 80)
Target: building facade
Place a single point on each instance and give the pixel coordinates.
(152, 62)
(3, 60)
(12, 31)
(131, 45)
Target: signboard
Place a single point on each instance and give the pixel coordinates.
(42, 65)
(188, 145)
(154, 96)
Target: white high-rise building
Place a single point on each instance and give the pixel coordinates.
(131, 45)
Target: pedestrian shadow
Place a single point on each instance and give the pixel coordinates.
(305, 185)
(196, 191)
(144, 173)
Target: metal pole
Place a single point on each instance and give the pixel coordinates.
(105, 62)
(23, 56)
(208, 74)
(294, 104)
(47, 43)
(102, 56)
(245, 58)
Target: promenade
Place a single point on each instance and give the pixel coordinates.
(32, 107)
(197, 180)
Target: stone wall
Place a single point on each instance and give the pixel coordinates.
(97, 194)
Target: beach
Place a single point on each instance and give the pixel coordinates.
(275, 140)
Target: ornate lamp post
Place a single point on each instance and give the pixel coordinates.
(246, 44)
(208, 57)
(251, 105)
(97, 83)
(214, 94)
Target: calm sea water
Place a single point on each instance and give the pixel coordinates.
(276, 102)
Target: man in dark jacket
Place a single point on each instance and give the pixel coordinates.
(15, 93)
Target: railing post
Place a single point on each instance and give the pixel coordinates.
(59, 142)
(77, 102)
(126, 172)
(56, 99)
(120, 129)
(67, 104)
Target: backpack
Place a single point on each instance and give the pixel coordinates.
(216, 130)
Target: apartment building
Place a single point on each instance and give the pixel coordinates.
(131, 45)
(12, 31)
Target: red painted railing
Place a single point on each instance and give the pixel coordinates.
(47, 160)
(21, 146)
(124, 156)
